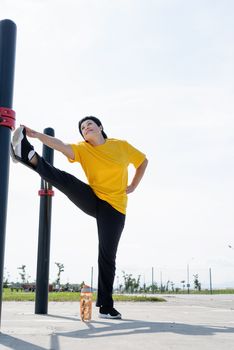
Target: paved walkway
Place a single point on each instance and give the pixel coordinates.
(183, 322)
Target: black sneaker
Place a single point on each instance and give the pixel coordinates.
(21, 149)
(109, 312)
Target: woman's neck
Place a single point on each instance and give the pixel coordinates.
(97, 141)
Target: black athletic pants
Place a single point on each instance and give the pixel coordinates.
(110, 223)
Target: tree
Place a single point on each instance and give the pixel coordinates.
(183, 283)
(167, 286)
(60, 270)
(23, 274)
(6, 279)
(152, 288)
(197, 284)
(131, 284)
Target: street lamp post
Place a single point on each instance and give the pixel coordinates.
(188, 283)
(92, 278)
(152, 280)
(210, 280)
(161, 282)
(188, 277)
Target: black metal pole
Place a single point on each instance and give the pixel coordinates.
(7, 65)
(43, 253)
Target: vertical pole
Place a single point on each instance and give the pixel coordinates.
(7, 64)
(210, 281)
(43, 253)
(92, 278)
(188, 283)
(161, 282)
(152, 279)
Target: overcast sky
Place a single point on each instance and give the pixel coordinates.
(158, 74)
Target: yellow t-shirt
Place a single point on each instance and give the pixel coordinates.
(106, 168)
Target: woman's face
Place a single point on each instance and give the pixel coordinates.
(90, 129)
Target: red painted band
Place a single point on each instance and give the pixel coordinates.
(46, 193)
(7, 117)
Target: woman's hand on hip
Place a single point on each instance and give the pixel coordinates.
(130, 189)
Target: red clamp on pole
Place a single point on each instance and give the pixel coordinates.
(46, 193)
(7, 117)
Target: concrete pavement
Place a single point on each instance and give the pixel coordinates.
(183, 322)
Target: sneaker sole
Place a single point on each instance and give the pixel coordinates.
(17, 159)
(13, 156)
(110, 317)
(16, 141)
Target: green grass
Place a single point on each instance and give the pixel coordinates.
(204, 291)
(8, 295)
(217, 291)
(17, 296)
(122, 297)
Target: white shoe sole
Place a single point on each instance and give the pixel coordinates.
(109, 317)
(16, 141)
(14, 158)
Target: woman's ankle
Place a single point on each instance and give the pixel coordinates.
(34, 160)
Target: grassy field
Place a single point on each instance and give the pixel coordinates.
(8, 295)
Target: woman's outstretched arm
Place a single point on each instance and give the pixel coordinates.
(51, 142)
